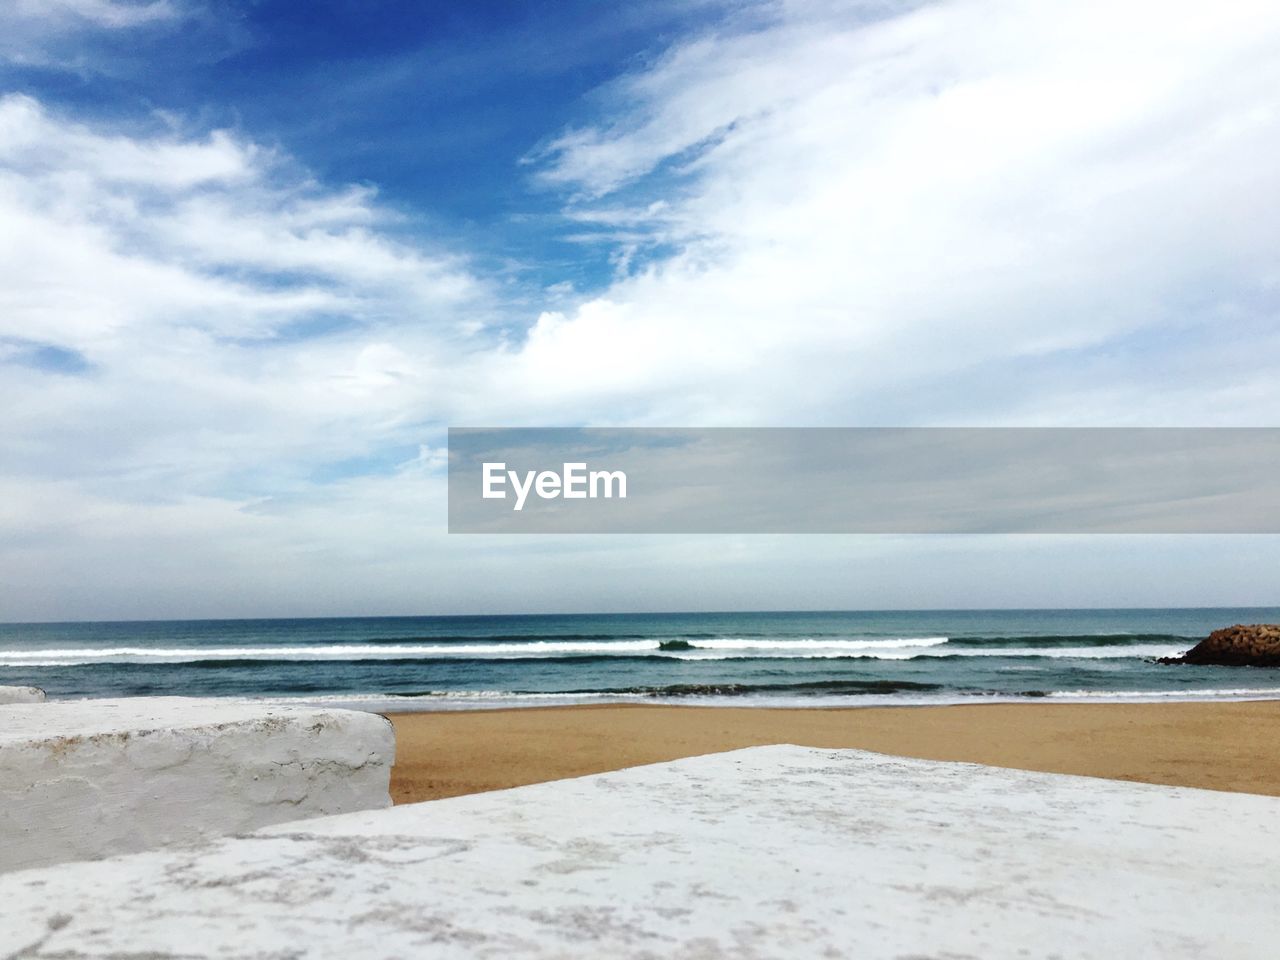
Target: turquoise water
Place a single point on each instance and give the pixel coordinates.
(740, 658)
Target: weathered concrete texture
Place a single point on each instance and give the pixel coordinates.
(769, 852)
(21, 695)
(93, 778)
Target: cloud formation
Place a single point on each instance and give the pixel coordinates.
(50, 16)
(966, 211)
(44, 32)
(221, 371)
(199, 299)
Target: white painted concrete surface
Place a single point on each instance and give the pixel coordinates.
(769, 852)
(21, 695)
(93, 778)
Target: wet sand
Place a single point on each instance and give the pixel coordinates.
(1218, 746)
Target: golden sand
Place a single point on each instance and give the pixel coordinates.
(1219, 746)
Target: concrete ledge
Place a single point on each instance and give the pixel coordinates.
(21, 695)
(93, 778)
(770, 852)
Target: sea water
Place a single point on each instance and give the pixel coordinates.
(800, 659)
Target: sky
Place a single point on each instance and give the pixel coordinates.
(256, 257)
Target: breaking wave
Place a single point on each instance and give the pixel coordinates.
(710, 648)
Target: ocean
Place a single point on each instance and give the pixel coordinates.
(797, 659)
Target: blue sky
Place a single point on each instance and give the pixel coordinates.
(256, 257)
(438, 105)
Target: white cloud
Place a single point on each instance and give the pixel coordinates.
(995, 212)
(872, 215)
(113, 14)
(44, 32)
(233, 316)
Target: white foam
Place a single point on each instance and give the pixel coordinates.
(1223, 693)
(394, 651)
(1073, 653)
(873, 652)
(361, 651)
(808, 644)
(726, 648)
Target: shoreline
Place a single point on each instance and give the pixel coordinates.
(1219, 745)
(400, 704)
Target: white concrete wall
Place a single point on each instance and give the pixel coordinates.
(21, 695)
(93, 778)
(773, 852)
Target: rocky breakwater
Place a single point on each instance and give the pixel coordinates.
(1253, 645)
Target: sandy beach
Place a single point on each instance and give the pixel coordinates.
(1217, 746)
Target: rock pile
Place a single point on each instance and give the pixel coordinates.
(1255, 645)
